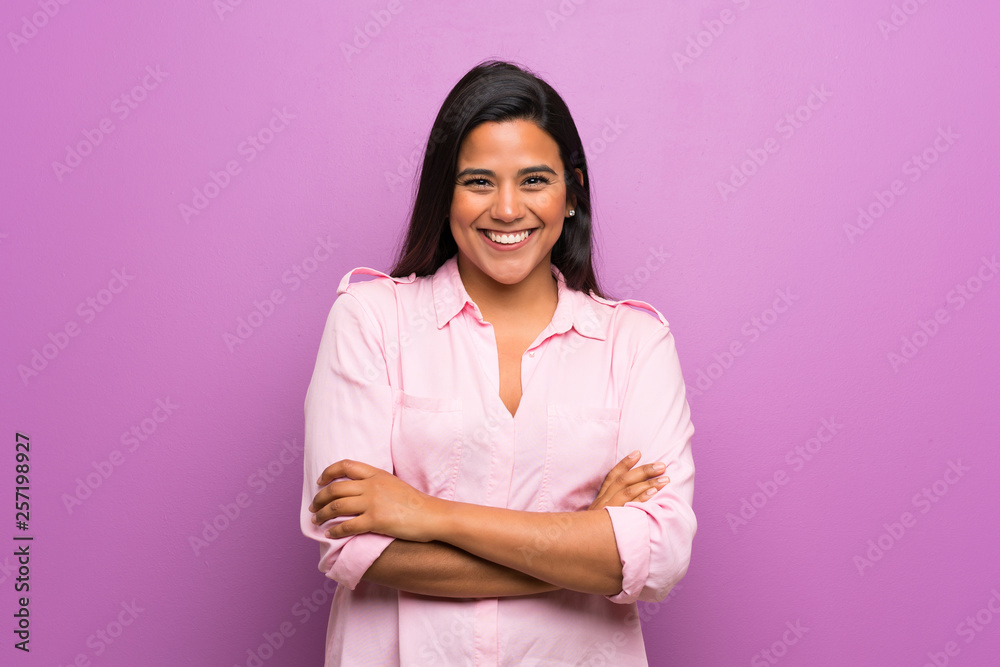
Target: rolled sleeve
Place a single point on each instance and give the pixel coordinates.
(654, 537)
(348, 415)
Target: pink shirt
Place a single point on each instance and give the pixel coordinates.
(407, 379)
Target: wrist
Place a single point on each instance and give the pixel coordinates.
(436, 516)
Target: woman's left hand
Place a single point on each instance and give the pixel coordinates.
(380, 502)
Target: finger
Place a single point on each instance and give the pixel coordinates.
(618, 470)
(634, 476)
(643, 490)
(652, 486)
(643, 472)
(627, 462)
(335, 490)
(350, 506)
(346, 468)
(347, 528)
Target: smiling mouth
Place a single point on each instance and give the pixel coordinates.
(507, 239)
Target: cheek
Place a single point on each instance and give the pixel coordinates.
(463, 209)
(550, 205)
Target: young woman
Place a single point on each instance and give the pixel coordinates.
(471, 414)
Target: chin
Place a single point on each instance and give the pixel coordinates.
(507, 277)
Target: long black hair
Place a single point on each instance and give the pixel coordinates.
(497, 91)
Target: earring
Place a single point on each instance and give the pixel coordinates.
(572, 212)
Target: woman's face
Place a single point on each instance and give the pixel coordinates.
(509, 181)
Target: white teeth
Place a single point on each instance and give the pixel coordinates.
(508, 239)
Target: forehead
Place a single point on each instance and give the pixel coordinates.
(509, 141)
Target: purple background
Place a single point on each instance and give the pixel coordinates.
(662, 133)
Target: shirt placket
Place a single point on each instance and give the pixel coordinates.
(486, 612)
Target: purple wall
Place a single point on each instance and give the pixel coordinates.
(808, 191)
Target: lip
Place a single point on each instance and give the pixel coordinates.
(510, 246)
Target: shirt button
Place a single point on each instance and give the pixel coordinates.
(531, 354)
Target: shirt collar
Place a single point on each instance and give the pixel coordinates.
(574, 309)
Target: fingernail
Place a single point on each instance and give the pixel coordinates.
(663, 481)
(319, 481)
(315, 520)
(634, 454)
(659, 467)
(649, 492)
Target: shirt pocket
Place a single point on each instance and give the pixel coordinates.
(581, 447)
(427, 442)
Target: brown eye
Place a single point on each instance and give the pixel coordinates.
(539, 180)
(477, 182)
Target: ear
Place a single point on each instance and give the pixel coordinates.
(571, 201)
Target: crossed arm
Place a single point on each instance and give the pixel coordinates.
(453, 549)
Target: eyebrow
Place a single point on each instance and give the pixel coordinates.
(521, 172)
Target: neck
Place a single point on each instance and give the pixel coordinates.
(536, 294)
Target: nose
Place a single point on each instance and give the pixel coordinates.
(507, 205)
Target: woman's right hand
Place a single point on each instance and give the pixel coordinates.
(623, 484)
